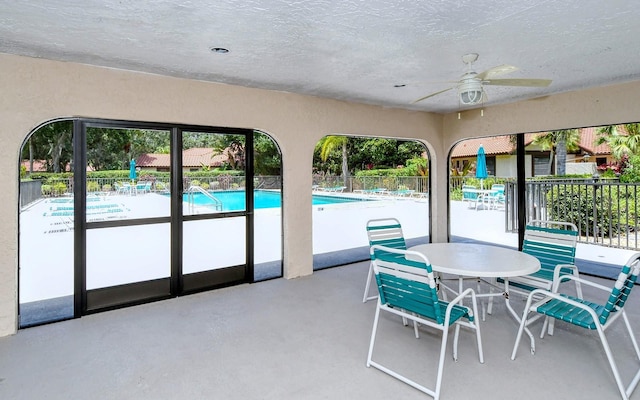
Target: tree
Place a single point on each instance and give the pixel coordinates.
(620, 143)
(327, 144)
(110, 149)
(267, 158)
(52, 143)
(234, 145)
(558, 142)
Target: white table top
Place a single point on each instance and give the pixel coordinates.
(477, 260)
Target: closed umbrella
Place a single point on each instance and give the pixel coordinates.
(132, 170)
(481, 166)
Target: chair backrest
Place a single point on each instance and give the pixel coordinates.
(552, 243)
(386, 232)
(469, 193)
(406, 281)
(499, 187)
(620, 292)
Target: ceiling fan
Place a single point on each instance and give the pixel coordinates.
(471, 84)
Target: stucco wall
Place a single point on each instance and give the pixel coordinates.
(35, 91)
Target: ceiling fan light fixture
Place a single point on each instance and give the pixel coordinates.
(470, 92)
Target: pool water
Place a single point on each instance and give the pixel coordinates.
(234, 200)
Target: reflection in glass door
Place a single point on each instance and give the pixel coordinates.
(127, 211)
(154, 211)
(46, 250)
(217, 214)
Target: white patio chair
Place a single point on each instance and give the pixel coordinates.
(553, 243)
(587, 314)
(408, 288)
(386, 232)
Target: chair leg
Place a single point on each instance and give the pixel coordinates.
(367, 287)
(373, 335)
(443, 350)
(456, 335)
(612, 363)
(474, 304)
(482, 305)
(636, 378)
(490, 304)
(523, 323)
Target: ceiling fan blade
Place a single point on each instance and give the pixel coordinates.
(518, 82)
(495, 71)
(431, 95)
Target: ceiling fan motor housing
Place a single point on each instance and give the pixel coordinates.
(470, 91)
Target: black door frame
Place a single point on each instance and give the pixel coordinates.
(142, 292)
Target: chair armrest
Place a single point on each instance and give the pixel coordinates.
(559, 267)
(457, 300)
(565, 278)
(461, 296)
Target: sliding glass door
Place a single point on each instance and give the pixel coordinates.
(144, 212)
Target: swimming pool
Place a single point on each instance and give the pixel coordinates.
(234, 200)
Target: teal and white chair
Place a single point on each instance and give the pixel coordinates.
(587, 314)
(496, 198)
(553, 243)
(469, 194)
(386, 232)
(407, 287)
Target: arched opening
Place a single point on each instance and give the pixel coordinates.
(117, 213)
(357, 179)
(583, 176)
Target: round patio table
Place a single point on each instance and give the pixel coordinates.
(479, 261)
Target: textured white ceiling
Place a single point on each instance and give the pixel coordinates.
(355, 50)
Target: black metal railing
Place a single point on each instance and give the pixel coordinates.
(417, 184)
(606, 213)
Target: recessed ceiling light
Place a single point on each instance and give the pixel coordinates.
(400, 85)
(219, 50)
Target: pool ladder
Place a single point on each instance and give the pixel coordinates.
(193, 189)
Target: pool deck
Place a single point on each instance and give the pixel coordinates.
(336, 228)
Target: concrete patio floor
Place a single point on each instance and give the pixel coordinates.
(304, 338)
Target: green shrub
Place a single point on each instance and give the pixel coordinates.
(46, 190)
(615, 210)
(59, 188)
(631, 173)
(92, 186)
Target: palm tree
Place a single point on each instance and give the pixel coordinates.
(328, 144)
(558, 142)
(620, 144)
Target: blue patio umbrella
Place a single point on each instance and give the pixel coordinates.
(132, 170)
(481, 166)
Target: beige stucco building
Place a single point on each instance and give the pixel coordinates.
(35, 91)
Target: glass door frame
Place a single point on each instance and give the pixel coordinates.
(87, 302)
